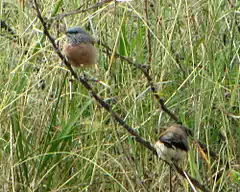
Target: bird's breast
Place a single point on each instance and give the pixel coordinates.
(81, 55)
(169, 154)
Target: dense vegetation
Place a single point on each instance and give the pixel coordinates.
(52, 142)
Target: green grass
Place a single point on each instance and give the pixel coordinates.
(51, 143)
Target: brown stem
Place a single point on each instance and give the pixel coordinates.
(148, 32)
(105, 105)
(77, 11)
(145, 71)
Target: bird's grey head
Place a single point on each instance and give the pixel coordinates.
(78, 35)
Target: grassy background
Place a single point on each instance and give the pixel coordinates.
(51, 143)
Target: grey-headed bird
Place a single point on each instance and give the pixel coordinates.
(80, 50)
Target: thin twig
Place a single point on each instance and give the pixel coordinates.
(194, 181)
(77, 11)
(145, 70)
(105, 105)
(89, 88)
(148, 31)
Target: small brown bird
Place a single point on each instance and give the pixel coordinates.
(172, 145)
(80, 50)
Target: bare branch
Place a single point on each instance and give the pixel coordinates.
(105, 105)
(145, 70)
(77, 11)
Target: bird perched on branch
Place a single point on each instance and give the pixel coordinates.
(172, 145)
(80, 50)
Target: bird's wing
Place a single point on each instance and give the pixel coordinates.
(174, 140)
(86, 38)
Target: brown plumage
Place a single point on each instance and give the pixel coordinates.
(172, 144)
(80, 50)
(83, 55)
